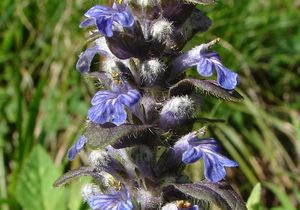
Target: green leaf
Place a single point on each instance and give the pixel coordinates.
(253, 202)
(75, 197)
(220, 194)
(188, 86)
(34, 186)
(281, 195)
(100, 137)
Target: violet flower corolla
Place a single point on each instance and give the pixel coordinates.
(115, 200)
(207, 62)
(108, 105)
(191, 149)
(104, 18)
(85, 58)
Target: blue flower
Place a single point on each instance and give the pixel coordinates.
(104, 17)
(192, 149)
(85, 58)
(207, 62)
(117, 200)
(108, 105)
(77, 147)
(211, 60)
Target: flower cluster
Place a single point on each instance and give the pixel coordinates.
(138, 132)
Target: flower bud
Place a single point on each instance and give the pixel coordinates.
(151, 70)
(161, 30)
(176, 112)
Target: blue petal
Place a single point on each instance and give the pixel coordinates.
(97, 11)
(214, 171)
(104, 25)
(102, 96)
(101, 113)
(116, 200)
(87, 22)
(119, 115)
(214, 166)
(130, 98)
(124, 18)
(125, 206)
(85, 58)
(226, 162)
(226, 78)
(205, 68)
(191, 155)
(80, 143)
(72, 152)
(207, 144)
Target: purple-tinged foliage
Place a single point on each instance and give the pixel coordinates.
(104, 18)
(138, 133)
(77, 147)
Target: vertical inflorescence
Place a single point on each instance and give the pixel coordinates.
(139, 129)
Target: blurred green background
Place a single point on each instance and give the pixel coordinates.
(43, 100)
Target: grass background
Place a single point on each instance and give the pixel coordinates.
(43, 100)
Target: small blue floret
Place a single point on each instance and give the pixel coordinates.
(118, 200)
(104, 17)
(208, 61)
(109, 106)
(191, 149)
